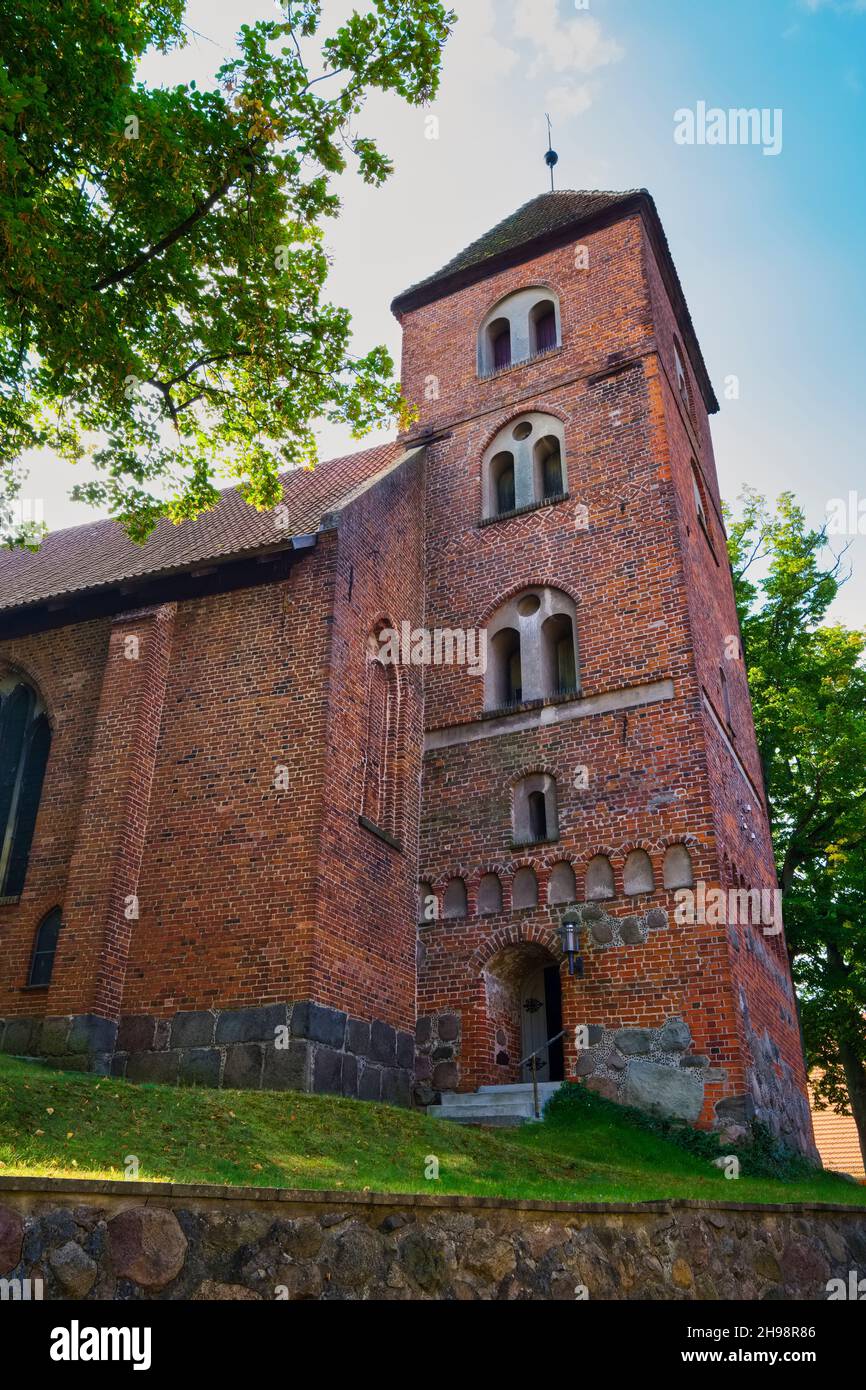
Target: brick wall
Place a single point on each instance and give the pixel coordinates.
(199, 825)
(652, 604)
(366, 887)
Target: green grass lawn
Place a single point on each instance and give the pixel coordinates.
(68, 1124)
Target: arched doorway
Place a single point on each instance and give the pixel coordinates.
(523, 999)
(541, 1019)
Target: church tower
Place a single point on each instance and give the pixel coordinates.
(590, 758)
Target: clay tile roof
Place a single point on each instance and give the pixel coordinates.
(101, 554)
(540, 217)
(838, 1143)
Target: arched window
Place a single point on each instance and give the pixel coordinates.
(543, 334)
(489, 895)
(502, 479)
(678, 868)
(535, 809)
(44, 948)
(500, 340)
(531, 646)
(529, 453)
(504, 669)
(561, 887)
(518, 328)
(559, 658)
(524, 889)
(537, 816)
(698, 493)
(455, 898)
(381, 789)
(726, 698)
(548, 468)
(599, 878)
(25, 742)
(637, 875)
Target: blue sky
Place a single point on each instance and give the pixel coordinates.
(769, 249)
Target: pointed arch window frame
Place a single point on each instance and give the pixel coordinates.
(50, 925)
(383, 777)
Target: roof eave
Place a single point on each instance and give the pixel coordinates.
(194, 579)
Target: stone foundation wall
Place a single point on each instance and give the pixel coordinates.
(298, 1047)
(112, 1240)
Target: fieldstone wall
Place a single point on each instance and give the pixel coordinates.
(437, 1041)
(651, 1068)
(277, 1047)
(774, 1096)
(114, 1240)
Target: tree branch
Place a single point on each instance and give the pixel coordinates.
(144, 257)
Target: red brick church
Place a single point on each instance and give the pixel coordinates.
(316, 798)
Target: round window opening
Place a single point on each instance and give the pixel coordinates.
(522, 431)
(529, 605)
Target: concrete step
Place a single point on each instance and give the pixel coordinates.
(502, 1105)
(491, 1098)
(515, 1105)
(545, 1088)
(482, 1121)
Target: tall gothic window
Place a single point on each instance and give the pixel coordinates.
(548, 468)
(543, 327)
(25, 742)
(534, 810)
(682, 379)
(502, 478)
(501, 347)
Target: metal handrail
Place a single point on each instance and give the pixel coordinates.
(531, 1058)
(555, 1038)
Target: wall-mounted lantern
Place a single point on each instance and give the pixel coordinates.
(569, 935)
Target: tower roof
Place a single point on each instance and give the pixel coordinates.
(537, 219)
(548, 221)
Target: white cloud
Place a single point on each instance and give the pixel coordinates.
(474, 39)
(576, 44)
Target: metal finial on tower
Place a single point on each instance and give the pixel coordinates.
(551, 159)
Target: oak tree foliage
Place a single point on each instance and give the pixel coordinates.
(808, 684)
(161, 248)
